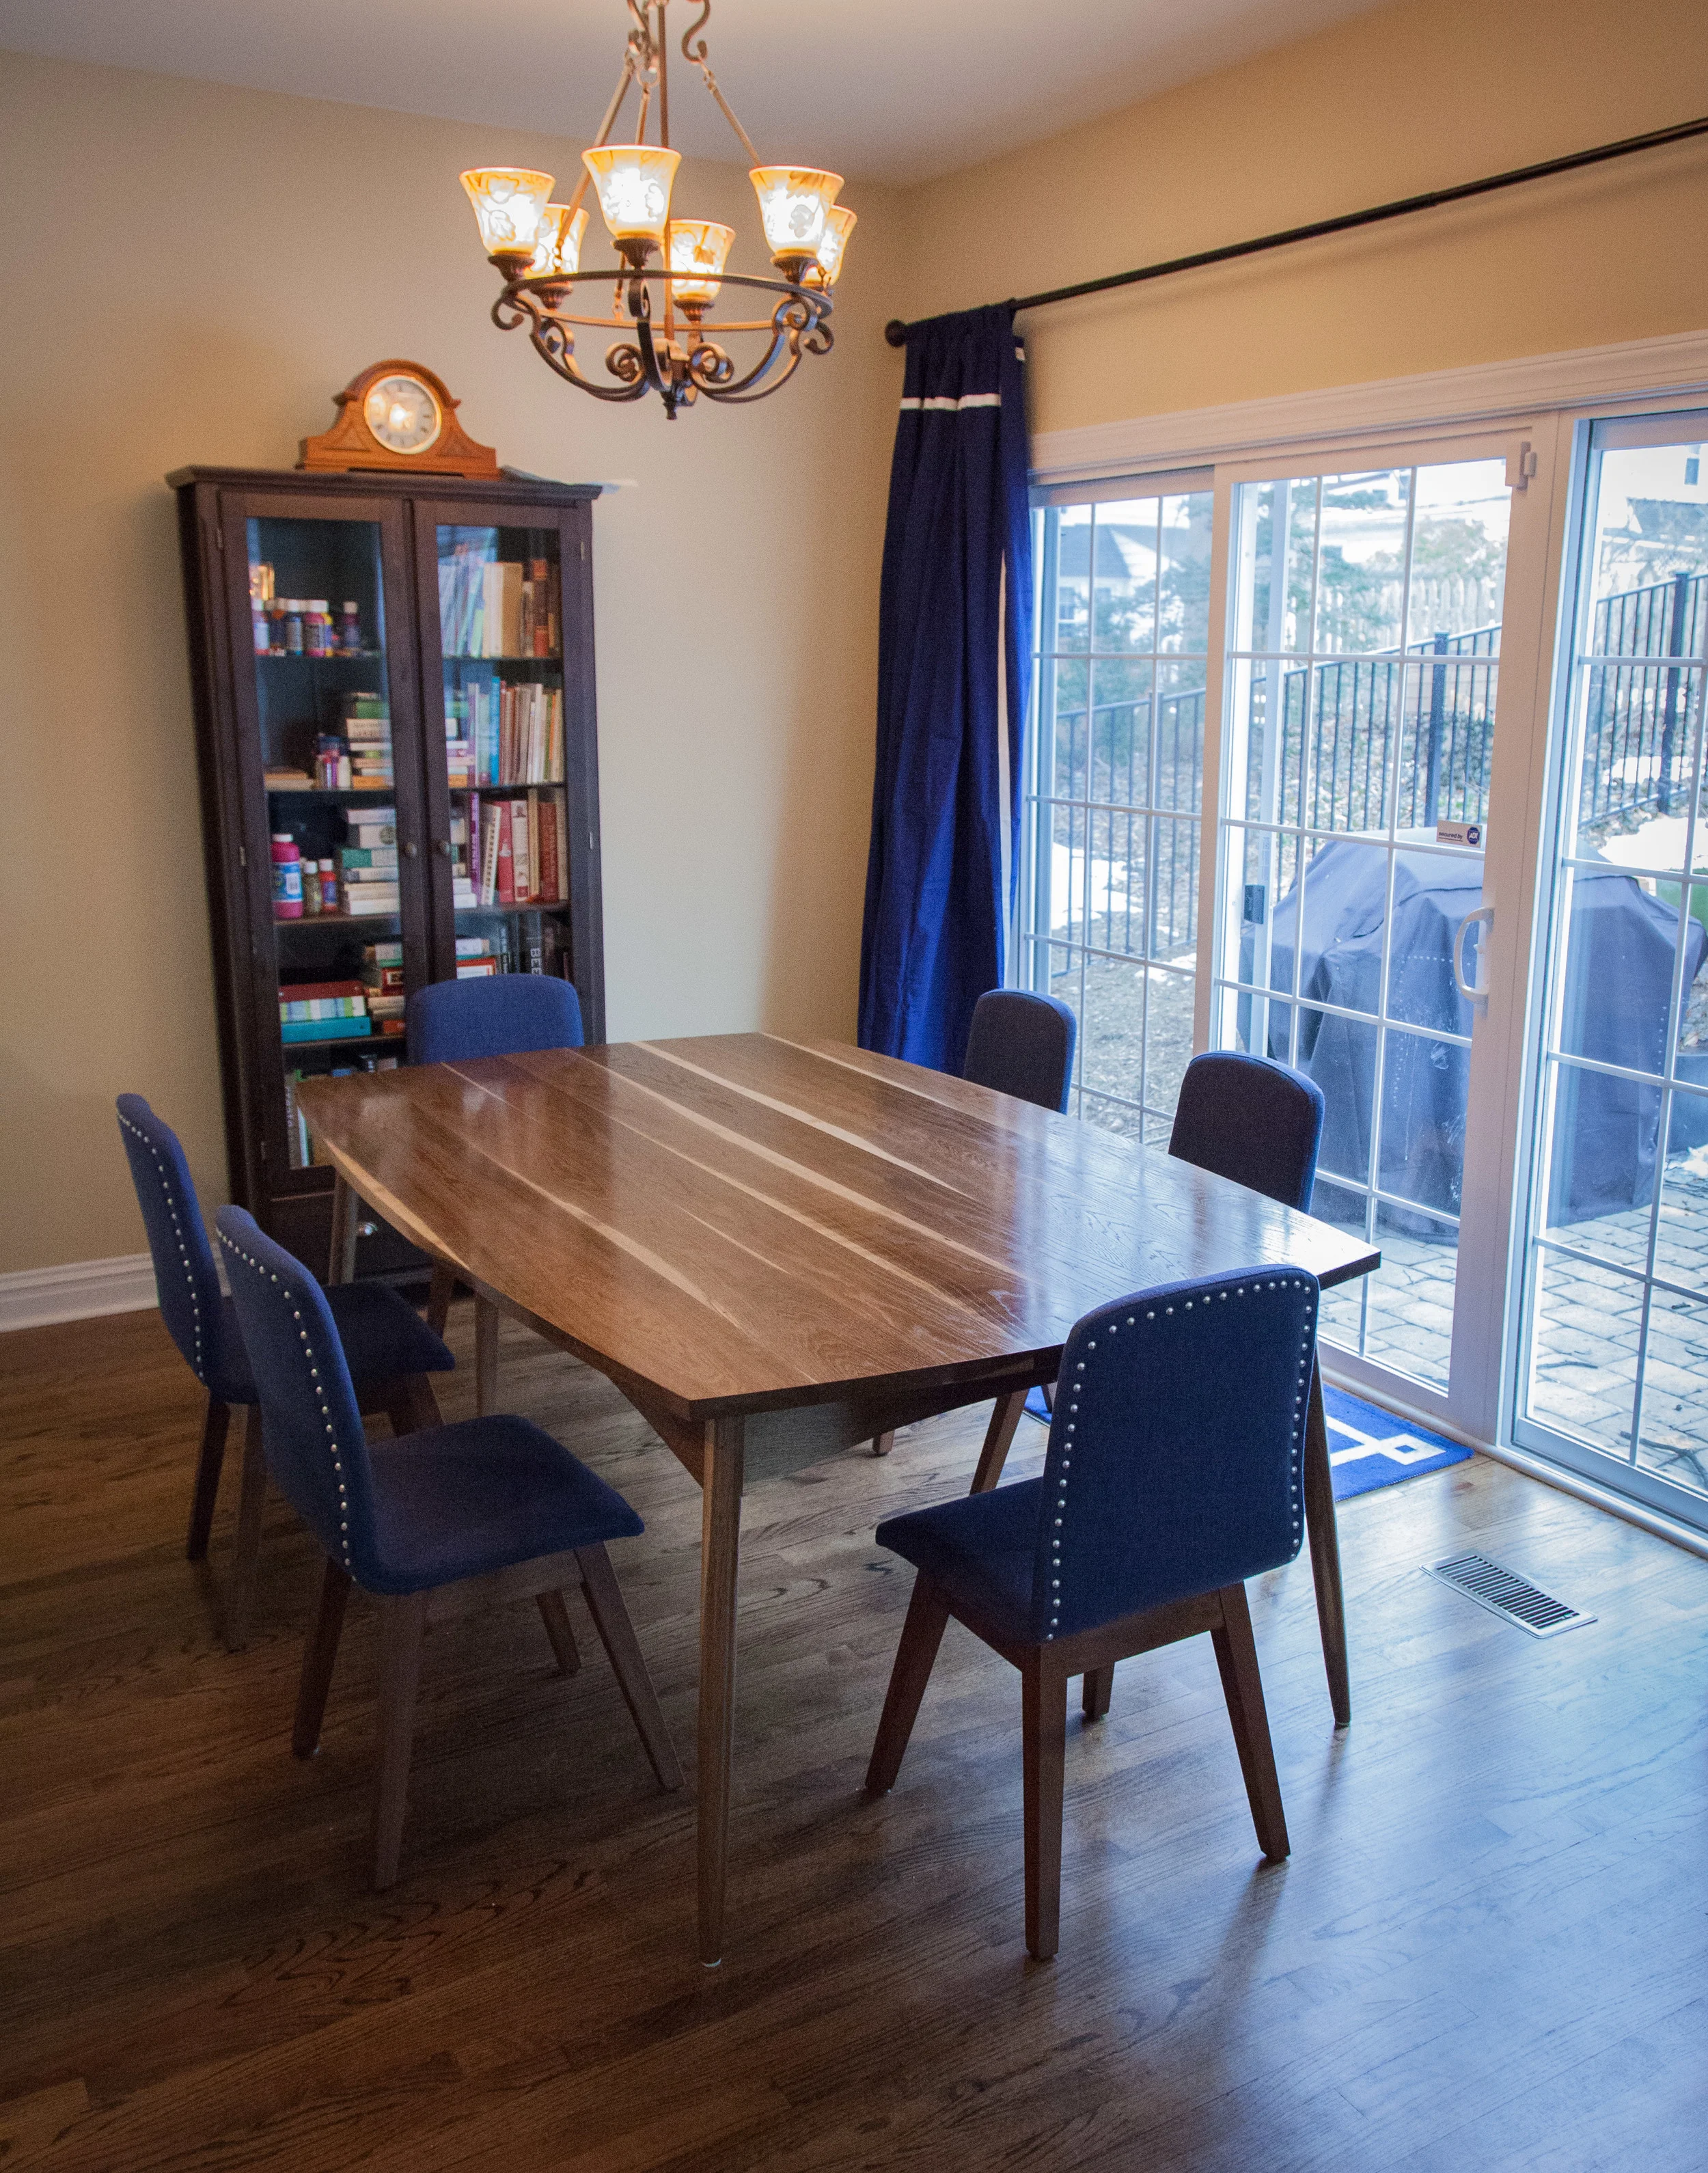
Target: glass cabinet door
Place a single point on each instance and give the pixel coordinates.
(330, 719)
(498, 751)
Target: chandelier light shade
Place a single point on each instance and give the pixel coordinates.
(672, 270)
(508, 202)
(792, 201)
(557, 241)
(838, 225)
(699, 247)
(634, 182)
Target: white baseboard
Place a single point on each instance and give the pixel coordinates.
(80, 1290)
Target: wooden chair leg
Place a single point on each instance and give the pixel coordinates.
(318, 1657)
(997, 1437)
(402, 1624)
(882, 1443)
(214, 1427)
(413, 1407)
(245, 1558)
(1325, 1552)
(556, 1617)
(922, 1633)
(1093, 1692)
(440, 1293)
(610, 1613)
(1044, 1737)
(1237, 1656)
(486, 1357)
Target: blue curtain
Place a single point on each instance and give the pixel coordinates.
(954, 633)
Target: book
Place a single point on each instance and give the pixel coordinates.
(475, 969)
(505, 887)
(548, 889)
(323, 1007)
(521, 863)
(368, 857)
(331, 1029)
(383, 954)
(372, 899)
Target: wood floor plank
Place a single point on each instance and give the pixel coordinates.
(1487, 1947)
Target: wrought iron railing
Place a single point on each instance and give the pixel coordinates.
(1637, 703)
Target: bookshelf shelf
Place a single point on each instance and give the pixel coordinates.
(428, 562)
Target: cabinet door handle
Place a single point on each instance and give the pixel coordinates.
(409, 849)
(444, 847)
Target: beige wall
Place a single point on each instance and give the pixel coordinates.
(189, 273)
(1412, 98)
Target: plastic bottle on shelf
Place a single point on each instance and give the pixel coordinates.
(263, 630)
(350, 632)
(294, 626)
(287, 877)
(311, 888)
(317, 626)
(329, 888)
(276, 627)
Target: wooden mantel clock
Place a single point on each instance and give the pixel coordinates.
(398, 415)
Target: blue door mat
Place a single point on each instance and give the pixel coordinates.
(1367, 1447)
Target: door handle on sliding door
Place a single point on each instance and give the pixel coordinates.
(1476, 992)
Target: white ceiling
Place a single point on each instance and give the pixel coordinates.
(891, 90)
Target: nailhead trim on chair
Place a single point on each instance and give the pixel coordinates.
(198, 1364)
(1285, 1283)
(249, 1260)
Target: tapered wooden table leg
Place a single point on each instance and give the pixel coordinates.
(486, 1357)
(999, 1437)
(1325, 1551)
(721, 1530)
(340, 1268)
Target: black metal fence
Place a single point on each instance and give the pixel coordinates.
(1637, 701)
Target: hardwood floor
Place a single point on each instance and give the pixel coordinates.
(1488, 1949)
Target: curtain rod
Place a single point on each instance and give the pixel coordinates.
(896, 333)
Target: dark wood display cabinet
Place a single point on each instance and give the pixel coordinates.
(395, 716)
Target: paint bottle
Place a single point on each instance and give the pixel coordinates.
(294, 626)
(329, 888)
(287, 877)
(311, 888)
(317, 626)
(350, 632)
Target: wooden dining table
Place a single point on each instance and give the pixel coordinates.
(777, 1249)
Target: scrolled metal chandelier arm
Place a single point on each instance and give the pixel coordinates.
(672, 349)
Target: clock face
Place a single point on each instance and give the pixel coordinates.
(402, 414)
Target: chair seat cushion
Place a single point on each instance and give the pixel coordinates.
(463, 1499)
(383, 1336)
(981, 1550)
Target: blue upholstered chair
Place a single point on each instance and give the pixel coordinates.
(391, 1353)
(1022, 1045)
(1257, 1122)
(415, 1522)
(497, 1015)
(1174, 1472)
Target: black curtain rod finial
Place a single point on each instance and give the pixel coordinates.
(896, 333)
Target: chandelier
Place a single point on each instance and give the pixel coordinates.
(662, 308)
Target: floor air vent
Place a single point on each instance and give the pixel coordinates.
(1513, 1599)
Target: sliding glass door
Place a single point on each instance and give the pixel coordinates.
(1613, 1341)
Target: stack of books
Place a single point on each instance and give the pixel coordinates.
(505, 734)
(322, 1011)
(368, 864)
(368, 728)
(524, 851)
(465, 824)
(497, 607)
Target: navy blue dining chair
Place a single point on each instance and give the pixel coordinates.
(1022, 1045)
(1248, 1118)
(1174, 1472)
(391, 1352)
(458, 1516)
(490, 1015)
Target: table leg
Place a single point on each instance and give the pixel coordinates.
(346, 1213)
(486, 1357)
(726, 1452)
(998, 1436)
(1325, 1551)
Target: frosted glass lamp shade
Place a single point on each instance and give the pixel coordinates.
(508, 202)
(838, 225)
(557, 241)
(794, 202)
(702, 247)
(634, 181)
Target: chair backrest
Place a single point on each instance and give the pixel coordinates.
(191, 1304)
(311, 1425)
(1022, 1045)
(1257, 1122)
(1176, 1459)
(502, 1015)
